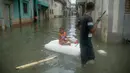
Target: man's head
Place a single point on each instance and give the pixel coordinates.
(90, 6)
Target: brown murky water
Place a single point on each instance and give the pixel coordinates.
(18, 48)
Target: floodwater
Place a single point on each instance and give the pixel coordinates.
(26, 46)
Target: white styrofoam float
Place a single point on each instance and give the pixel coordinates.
(72, 49)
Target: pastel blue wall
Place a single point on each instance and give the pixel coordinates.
(0, 8)
(30, 8)
(16, 10)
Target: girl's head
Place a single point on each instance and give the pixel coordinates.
(61, 30)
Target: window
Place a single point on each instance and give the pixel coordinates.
(25, 8)
(52, 11)
(127, 7)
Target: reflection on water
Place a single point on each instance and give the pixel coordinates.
(19, 48)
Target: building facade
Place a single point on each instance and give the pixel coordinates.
(114, 26)
(42, 10)
(5, 13)
(59, 8)
(67, 8)
(80, 6)
(19, 12)
(51, 9)
(73, 9)
(21, 9)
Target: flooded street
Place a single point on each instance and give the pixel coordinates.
(26, 46)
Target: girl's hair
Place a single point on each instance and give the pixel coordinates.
(61, 28)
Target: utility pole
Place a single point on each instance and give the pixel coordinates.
(19, 7)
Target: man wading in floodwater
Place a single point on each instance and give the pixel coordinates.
(86, 27)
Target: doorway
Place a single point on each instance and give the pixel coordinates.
(7, 15)
(126, 31)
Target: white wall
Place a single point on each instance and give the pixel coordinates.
(50, 2)
(51, 8)
(115, 16)
(104, 23)
(98, 11)
(58, 11)
(110, 21)
(101, 6)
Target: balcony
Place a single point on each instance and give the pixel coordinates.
(43, 3)
(61, 1)
(78, 1)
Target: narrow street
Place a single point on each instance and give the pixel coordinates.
(22, 47)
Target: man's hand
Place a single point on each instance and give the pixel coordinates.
(95, 25)
(98, 20)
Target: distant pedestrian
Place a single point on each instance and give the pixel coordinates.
(87, 28)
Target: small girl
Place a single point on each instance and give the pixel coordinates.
(63, 40)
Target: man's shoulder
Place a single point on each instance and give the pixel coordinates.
(85, 17)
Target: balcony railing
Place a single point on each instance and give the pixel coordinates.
(81, 0)
(61, 1)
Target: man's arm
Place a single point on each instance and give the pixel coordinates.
(91, 26)
(95, 26)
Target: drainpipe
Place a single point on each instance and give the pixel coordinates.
(19, 7)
